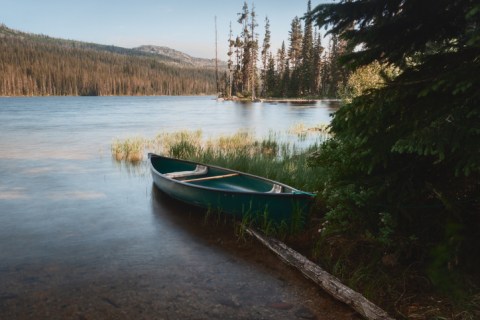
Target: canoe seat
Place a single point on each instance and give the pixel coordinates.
(276, 189)
(199, 170)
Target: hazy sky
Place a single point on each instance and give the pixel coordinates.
(185, 25)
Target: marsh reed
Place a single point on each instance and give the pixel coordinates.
(279, 156)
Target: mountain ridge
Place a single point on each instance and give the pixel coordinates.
(182, 56)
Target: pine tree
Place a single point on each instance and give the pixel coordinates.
(281, 59)
(307, 57)
(411, 146)
(245, 64)
(295, 57)
(338, 73)
(253, 48)
(285, 81)
(237, 73)
(317, 64)
(229, 77)
(295, 49)
(265, 56)
(280, 84)
(270, 77)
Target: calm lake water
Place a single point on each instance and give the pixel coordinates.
(84, 238)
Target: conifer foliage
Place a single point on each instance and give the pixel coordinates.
(404, 163)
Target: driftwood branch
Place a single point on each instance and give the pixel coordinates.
(327, 282)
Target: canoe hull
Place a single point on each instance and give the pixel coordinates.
(288, 206)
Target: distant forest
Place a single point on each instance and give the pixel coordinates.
(300, 68)
(38, 65)
(33, 65)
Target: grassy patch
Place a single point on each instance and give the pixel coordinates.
(130, 150)
(279, 156)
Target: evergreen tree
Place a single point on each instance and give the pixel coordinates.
(295, 57)
(245, 49)
(237, 73)
(285, 82)
(281, 59)
(409, 149)
(325, 75)
(295, 49)
(317, 64)
(253, 48)
(334, 66)
(265, 55)
(270, 77)
(231, 45)
(307, 64)
(282, 73)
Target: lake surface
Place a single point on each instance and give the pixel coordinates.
(84, 238)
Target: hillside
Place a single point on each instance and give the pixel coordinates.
(33, 64)
(178, 56)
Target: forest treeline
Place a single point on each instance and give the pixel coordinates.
(40, 66)
(301, 68)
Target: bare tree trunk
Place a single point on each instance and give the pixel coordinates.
(216, 57)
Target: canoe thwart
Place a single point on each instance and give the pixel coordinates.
(212, 178)
(199, 170)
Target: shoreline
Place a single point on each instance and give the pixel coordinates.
(279, 100)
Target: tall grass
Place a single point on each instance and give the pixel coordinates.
(131, 149)
(279, 156)
(274, 157)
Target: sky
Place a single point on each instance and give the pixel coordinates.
(184, 25)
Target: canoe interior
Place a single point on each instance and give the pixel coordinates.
(167, 165)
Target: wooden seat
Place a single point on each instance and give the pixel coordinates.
(276, 189)
(199, 170)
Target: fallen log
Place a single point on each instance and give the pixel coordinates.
(332, 285)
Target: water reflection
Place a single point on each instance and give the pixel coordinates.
(133, 169)
(191, 219)
(15, 193)
(227, 280)
(76, 195)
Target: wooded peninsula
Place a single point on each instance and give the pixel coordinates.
(302, 68)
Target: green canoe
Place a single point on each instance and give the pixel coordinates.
(229, 191)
